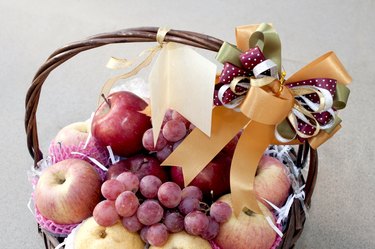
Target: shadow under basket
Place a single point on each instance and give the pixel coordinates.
(306, 157)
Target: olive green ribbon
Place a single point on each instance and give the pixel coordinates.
(268, 41)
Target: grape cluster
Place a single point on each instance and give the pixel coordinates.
(174, 129)
(155, 209)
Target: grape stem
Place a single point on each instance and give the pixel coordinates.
(204, 207)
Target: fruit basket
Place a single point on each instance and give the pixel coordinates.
(304, 156)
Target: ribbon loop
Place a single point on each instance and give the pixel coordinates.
(265, 107)
(268, 40)
(160, 35)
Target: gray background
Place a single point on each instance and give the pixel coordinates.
(342, 213)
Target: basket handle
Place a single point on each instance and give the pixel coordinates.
(143, 34)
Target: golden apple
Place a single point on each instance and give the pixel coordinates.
(90, 235)
(183, 240)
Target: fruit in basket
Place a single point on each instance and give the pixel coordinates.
(272, 181)
(214, 177)
(112, 188)
(68, 191)
(105, 213)
(127, 204)
(196, 222)
(93, 236)
(140, 165)
(247, 231)
(169, 194)
(157, 234)
(148, 141)
(120, 123)
(73, 138)
(149, 186)
(174, 128)
(150, 212)
(73, 134)
(183, 240)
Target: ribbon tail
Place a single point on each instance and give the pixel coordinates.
(197, 149)
(326, 66)
(253, 142)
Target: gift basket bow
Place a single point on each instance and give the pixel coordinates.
(201, 158)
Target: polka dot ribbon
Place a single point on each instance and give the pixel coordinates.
(254, 64)
(313, 109)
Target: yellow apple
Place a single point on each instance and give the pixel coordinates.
(90, 235)
(183, 240)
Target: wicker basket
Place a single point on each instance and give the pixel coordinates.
(305, 155)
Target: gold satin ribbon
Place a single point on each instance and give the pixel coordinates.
(263, 107)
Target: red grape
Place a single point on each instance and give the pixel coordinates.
(174, 130)
(132, 223)
(164, 153)
(220, 211)
(169, 194)
(174, 222)
(196, 223)
(188, 205)
(179, 117)
(176, 144)
(149, 186)
(212, 230)
(105, 213)
(192, 192)
(148, 141)
(143, 234)
(127, 204)
(157, 234)
(191, 127)
(130, 181)
(112, 188)
(150, 212)
(167, 116)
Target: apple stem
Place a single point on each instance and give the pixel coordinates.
(248, 211)
(106, 100)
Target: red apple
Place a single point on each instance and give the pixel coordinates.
(247, 231)
(214, 177)
(68, 191)
(140, 165)
(118, 122)
(74, 134)
(272, 182)
(73, 138)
